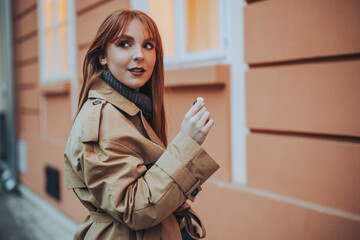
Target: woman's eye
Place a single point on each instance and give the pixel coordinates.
(124, 44)
(148, 45)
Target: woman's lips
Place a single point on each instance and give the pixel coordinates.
(137, 71)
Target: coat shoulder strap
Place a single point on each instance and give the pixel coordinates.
(91, 120)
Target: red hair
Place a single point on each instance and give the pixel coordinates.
(112, 27)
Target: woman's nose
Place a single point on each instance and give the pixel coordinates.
(138, 54)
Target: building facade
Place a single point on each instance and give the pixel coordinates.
(280, 77)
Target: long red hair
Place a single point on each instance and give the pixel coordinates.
(110, 30)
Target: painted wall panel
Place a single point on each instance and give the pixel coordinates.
(27, 74)
(27, 123)
(209, 75)
(321, 98)
(19, 6)
(316, 170)
(25, 25)
(289, 29)
(26, 50)
(34, 178)
(237, 213)
(58, 116)
(28, 98)
(88, 23)
(81, 5)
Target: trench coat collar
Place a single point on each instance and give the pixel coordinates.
(103, 90)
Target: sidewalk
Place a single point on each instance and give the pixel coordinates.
(25, 216)
(10, 228)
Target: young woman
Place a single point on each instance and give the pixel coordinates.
(117, 160)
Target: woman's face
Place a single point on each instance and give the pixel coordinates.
(131, 61)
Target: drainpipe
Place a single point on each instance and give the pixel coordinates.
(8, 170)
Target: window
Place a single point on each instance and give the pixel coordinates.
(193, 31)
(56, 40)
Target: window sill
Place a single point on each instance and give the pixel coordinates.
(216, 75)
(59, 88)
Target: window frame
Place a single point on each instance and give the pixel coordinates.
(184, 59)
(57, 76)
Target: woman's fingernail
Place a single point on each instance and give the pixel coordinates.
(200, 100)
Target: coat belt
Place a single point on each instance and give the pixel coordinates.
(152, 233)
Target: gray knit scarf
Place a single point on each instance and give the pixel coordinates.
(141, 100)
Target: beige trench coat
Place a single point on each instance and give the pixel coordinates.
(132, 186)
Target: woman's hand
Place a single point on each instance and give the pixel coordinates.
(197, 122)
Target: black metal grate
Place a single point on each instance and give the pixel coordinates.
(52, 182)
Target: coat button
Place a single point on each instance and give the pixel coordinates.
(195, 192)
(96, 102)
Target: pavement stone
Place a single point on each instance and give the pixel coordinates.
(22, 219)
(10, 227)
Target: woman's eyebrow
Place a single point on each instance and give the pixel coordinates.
(150, 39)
(131, 38)
(126, 37)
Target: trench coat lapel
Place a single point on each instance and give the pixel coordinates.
(104, 91)
(150, 132)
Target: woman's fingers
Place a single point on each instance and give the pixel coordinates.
(204, 118)
(199, 114)
(197, 122)
(194, 109)
(208, 125)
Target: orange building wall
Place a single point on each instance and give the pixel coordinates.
(302, 88)
(303, 150)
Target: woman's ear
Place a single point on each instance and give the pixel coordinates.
(102, 60)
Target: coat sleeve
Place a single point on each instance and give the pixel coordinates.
(139, 197)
